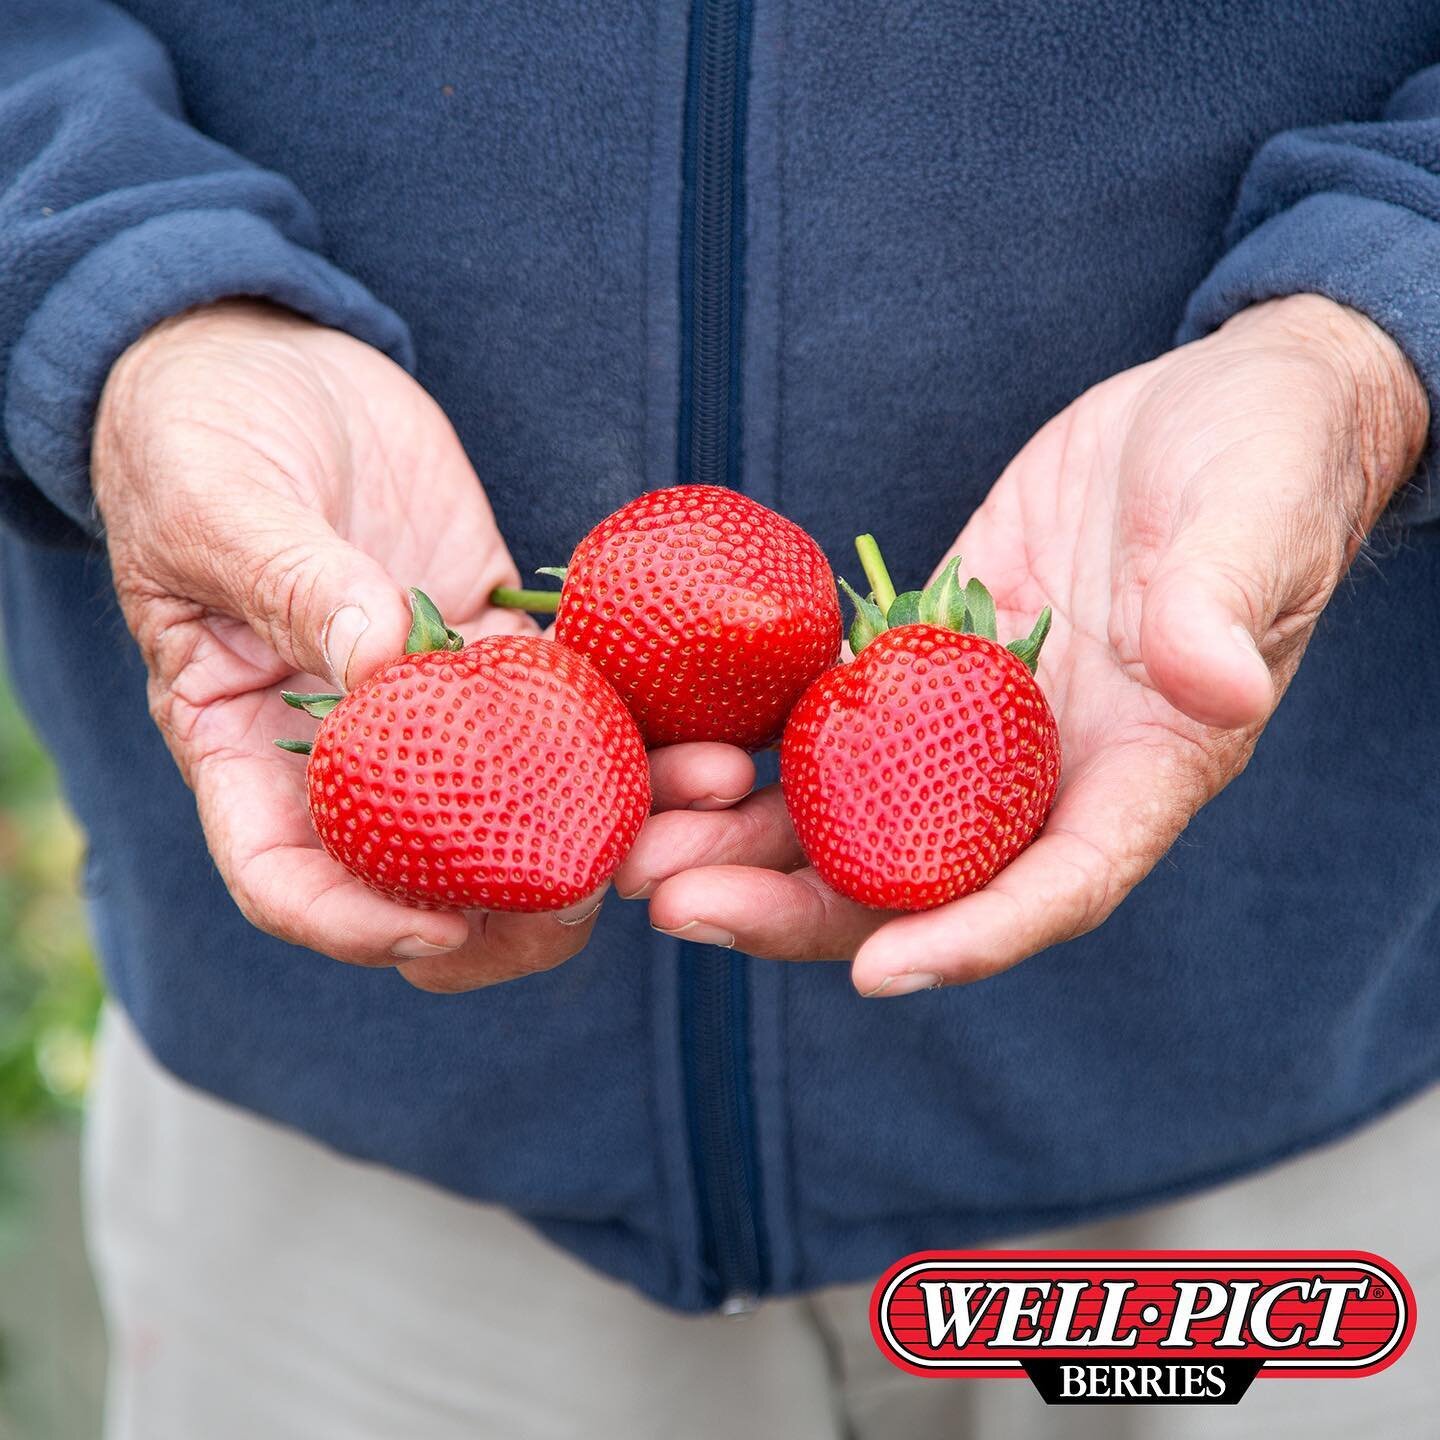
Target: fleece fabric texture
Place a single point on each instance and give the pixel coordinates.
(956, 219)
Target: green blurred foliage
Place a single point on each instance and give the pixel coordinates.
(52, 1347)
(49, 989)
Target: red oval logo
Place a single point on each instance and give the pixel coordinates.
(1286, 1313)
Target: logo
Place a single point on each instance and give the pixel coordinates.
(1143, 1326)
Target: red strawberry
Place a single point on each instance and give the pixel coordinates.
(915, 773)
(504, 775)
(708, 613)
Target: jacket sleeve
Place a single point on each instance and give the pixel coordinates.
(1352, 212)
(114, 213)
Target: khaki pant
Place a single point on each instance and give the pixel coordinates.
(260, 1287)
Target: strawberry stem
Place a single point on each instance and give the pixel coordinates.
(873, 564)
(541, 602)
(965, 609)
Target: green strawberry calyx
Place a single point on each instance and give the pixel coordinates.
(428, 632)
(967, 609)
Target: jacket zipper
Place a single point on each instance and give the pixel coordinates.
(713, 988)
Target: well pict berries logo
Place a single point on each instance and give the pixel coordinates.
(1178, 1326)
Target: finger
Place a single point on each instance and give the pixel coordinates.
(323, 606)
(1112, 824)
(253, 813)
(1198, 650)
(700, 776)
(1248, 570)
(755, 832)
(762, 912)
(507, 947)
(300, 895)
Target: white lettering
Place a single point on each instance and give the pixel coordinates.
(1069, 1292)
(960, 1321)
(1242, 1291)
(1014, 1310)
(1260, 1315)
(1188, 1309)
(1105, 1331)
(1335, 1292)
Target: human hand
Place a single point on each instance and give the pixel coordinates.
(1187, 521)
(264, 482)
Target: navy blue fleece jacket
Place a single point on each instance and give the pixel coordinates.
(951, 220)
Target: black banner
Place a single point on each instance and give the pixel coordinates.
(1142, 1382)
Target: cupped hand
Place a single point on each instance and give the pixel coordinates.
(269, 489)
(1187, 521)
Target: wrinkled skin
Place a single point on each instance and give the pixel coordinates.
(1187, 521)
(260, 479)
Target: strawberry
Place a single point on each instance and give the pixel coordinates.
(501, 775)
(917, 772)
(709, 613)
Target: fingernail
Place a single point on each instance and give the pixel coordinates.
(412, 947)
(643, 893)
(699, 932)
(716, 802)
(906, 984)
(343, 628)
(583, 910)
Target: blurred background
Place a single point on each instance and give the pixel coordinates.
(51, 1339)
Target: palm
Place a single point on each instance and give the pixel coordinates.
(334, 431)
(1055, 531)
(269, 488)
(1081, 521)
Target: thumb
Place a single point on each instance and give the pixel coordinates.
(1227, 577)
(323, 606)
